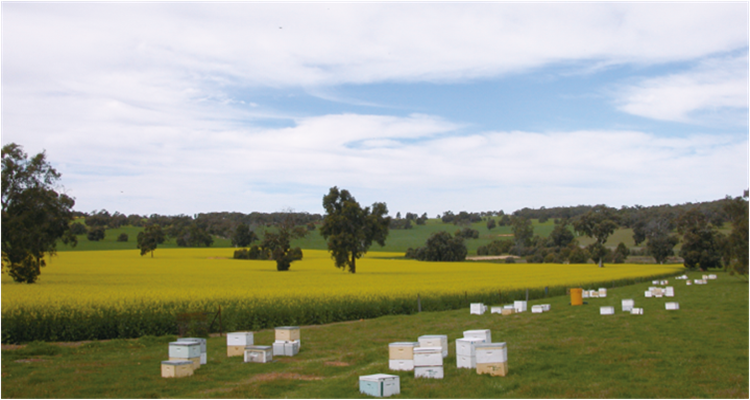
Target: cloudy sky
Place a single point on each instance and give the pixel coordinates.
(176, 108)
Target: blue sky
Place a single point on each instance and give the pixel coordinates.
(176, 108)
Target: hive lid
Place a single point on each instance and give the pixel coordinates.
(258, 347)
(377, 377)
(433, 336)
(497, 345)
(287, 327)
(400, 344)
(428, 349)
(176, 362)
(185, 343)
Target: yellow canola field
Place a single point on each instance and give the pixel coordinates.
(195, 276)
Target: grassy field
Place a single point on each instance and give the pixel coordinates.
(699, 351)
(120, 294)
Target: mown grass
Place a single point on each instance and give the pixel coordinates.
(570, 352)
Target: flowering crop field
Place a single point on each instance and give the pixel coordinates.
(88, 295)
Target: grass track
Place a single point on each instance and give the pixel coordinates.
(570, 352)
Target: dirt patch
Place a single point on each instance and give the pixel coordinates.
(337, 363)
(13, 346)
(30, 360)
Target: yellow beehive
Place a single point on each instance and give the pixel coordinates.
(287, 333)
(176, 369)
(402, 350)
(234, 351)
(196, 361)
(494, 369)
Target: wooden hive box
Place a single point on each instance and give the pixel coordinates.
(508, 311)
(546, 307)
(483, 334)
(496, 310)
(402, 350)
(477, 308)
(401, 365)
(672, 306)
(585, 294)
(648, 294)
(606, 310)
(379, 385)
(464, 361)
(627, 304)
(258, 354)
(432, 372)
(434, 341)
(202, 341)
(489, 353)
(538, 309)
(636, 311)
(176, 369)
(186, 351)
(602, 292)
(494, 369)
(194, 361)
(243, 339)
(519, 305)
(465, 346)
(287, 333)
(428, 357)
(286, 348)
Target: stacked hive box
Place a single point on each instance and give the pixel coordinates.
(492, 358)
(538, 309)
(465, 350)
(401, 356)
(176, 369)
(258, 354)
(602, 292)
(379, 385)
(478, 308)
(508, 310)
(496, 310)
(435, 341)
(606, 310)
(237, 341)
(669, 291)
(636, 311)
(428, 362)
(202, 341)
(519, 306)
(287, 341)
(186, 351)
(627, 305)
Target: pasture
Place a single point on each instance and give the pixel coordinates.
(698, 351)
(120, 294)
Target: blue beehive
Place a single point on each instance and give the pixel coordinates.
(379, 385)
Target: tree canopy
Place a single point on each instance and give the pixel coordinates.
(350, 229)
(598, 223)
(34, 215)
(150, 238)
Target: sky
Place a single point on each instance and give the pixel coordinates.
(194, 107)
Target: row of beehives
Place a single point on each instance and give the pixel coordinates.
(187, 354)
(628, 305)
(517, 307)
(654, 291)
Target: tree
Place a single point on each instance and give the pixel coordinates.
(561, 236)
(194, 236)
(737, 241)
(243, 236)
(150, 238)
(349, 229)
(701, 247)
(78, 228)
(523, 232)
(491, 224)
(598, 223)
(440, 246)
(278, 244)
(123, 237)
(34, 215)
(95, 233)
(661, 244)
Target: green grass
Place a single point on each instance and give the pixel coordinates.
(570, 352)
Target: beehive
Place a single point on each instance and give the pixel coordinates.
(537, 309)
(401, 365)
(593, 293)
(636, 311)
(287, 333)
(243, 339)
(478, 308)
(688, 283)
(648, 294)
(655, 282)
(546, 307)
(234, 351)
(176, 369)
(669, 291)
(464, 361)
(606, 310)
(402, 350)
(286, 348)
(435, 341)
(672, 306)
(185, 350)
(712, 276)
(496, 310)
(483, 334)
(258, 354)
(584, 294)
(519, 305)
(602, 292)
(428, 357)
(202, 341)
(494, 369)
(508, 311)
(627, 305)
(195, 362)
(489, 353)
(379, 385)
(434, 372)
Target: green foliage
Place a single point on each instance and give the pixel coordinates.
(467, 233)
(523, 232)
(496, 248)
(243, 236)
(253, 253)
(193, 236)
(701, 242)
(95, 233)
(150, 238)
(123, 237)
(736, 247)
(440, 247)
(349, 229)
(598, 223)
(78, 228)
(34, 216)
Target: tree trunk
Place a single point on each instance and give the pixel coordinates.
(600, 263)
(353, 265)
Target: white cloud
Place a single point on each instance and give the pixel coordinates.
(716, 84)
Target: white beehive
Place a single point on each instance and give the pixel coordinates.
(478, 308)
(465, 346)
(379, 385)
(243, 339)
(712, 276)
(545, 307)
(672, 306)
(648, 294)
(664, 283)
(519, 305)
(402, 350)
(585, 294)
(176, 369)
(488, 353)
(602, 292)
(705, 277)
(537, 309)
(401, 365)
(286, 348)
(636, 311)
(435, 341)
(606, 310)
(594, 293)
(185, 349)
(627, 304)
(202, 341)
(483, 334)
(464, 361)
(496, 310)
(258, 354)
(428, 357)
(434, 372)
(287, 333)
(669, 291)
